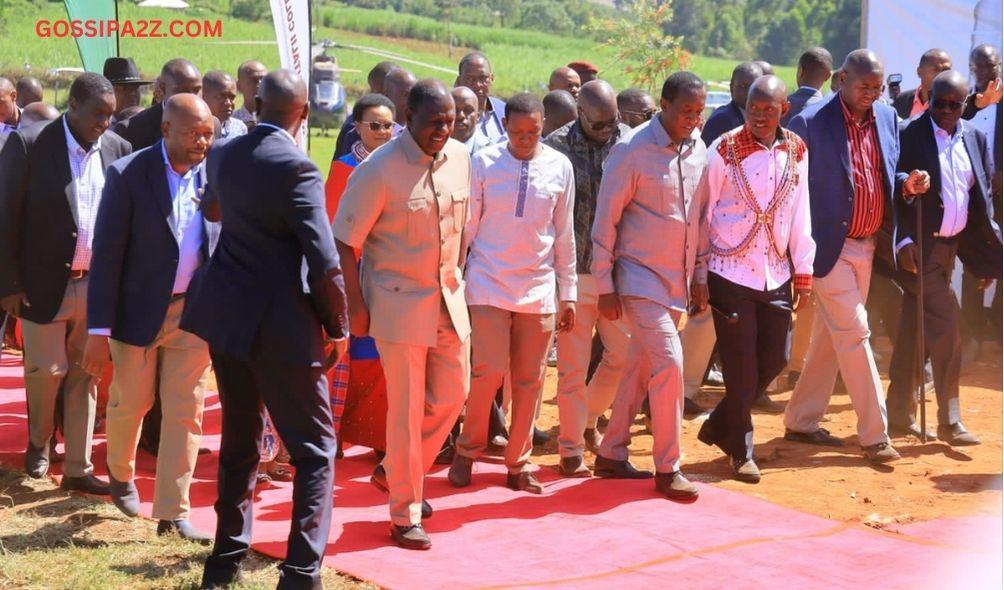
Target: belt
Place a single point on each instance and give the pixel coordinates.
(942, 238)
(76, 275)
(177, 296)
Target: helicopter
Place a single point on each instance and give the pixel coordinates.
(327, 94)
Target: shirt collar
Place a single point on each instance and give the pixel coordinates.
(280, 130)
(662, 139)
(814, 91)
(170, 170)
(413, 153)
(746, 136)
(849, 117)
(71, 142)
(939, 132)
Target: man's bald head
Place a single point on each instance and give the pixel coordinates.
(949, 81)
(559, 110)
(860, 62)
(932, 63)
(179, 76)
(765, 67)
(948, 97)
(8, 102)
(466, 108)
(985, 63)
(567, 79)
(29, 90)
(861, 81)
(767, 87)
(598, 114)
(282, 99)
(463, 93)
(38, 112)
(396, 86)
(188, 127)
(742, 77)
(766, 104)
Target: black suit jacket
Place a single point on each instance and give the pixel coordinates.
(798, 100)
(249, 301)
(980, 242)
(725, 118)
(904, 103)
(38, 214)
(142, 129)
(135, 254)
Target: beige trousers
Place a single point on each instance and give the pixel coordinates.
(176, 363)
(840, 342)
(52, 355)
(505, 342)
(580, 405)
(426, 389)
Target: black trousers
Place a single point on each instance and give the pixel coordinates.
(296, 397)
(941, 337)
(753, 351)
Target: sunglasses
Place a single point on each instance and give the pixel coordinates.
(377, 125)
(598, 125)
(647, 114)
(941, 104)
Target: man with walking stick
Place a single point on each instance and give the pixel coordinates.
(952, 218)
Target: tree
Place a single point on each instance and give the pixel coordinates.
(547, 16)
(786, 38)
(640, 43)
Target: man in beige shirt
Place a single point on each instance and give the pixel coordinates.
(406, 207)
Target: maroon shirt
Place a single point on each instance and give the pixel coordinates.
(866, 174)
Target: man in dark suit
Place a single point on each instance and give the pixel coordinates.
(853, 146)
(150, 239)
(49, 196)
(913, 102)
(265, 333)
(729, 116)
(814, 67)
(176, 77)
(955, 217)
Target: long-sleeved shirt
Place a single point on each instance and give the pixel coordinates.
(520, 233)
(88, 182)
(757, 226)
(645, 233)
(587, 159)
(866, 172)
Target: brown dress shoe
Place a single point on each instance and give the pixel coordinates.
(460, 471)
(880, 453)
(574, 467)
(524, 481)
(410, 537)
(675, 486)
(957, 435)
(746, 470)
(612, 469)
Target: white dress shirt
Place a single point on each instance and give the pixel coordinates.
(186, 221)
(758, 249)
(244, 115)
(88, 174)
(233, 127)
(956, 179)
(520, 233)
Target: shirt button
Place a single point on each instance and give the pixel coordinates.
(73, 234)
(67, 265)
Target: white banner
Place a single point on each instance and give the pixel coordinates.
(292, 34)
(900, 32)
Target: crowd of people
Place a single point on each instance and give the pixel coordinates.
(457, 239)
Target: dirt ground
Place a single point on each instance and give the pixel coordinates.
(932, 480)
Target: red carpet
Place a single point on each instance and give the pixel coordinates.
(588, 533)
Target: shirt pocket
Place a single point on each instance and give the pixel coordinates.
(459, 200)
(417, 210)
(658, 192)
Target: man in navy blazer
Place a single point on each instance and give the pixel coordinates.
(729, 116)
(814, 69)
(150, 240)
(50, 190)
(853, 149)
(955, 215)
(265, 333)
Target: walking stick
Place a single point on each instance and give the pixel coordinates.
(921, 347)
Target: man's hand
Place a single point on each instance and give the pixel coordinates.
(802, 298)
(610, 306)
(97, 355)
(359, 321)
(12, 303)
(992, 94)
(566, 316)
(916, 183)
(699, 297)
(338, 350)
(907, 258)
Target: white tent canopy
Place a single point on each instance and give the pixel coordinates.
(163, 4)
(900, 32)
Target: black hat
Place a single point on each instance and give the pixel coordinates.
(122, 70)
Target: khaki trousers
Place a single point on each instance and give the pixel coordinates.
(426, 389)
(839, 341)
(52, 355)
(505, 342)
(580, 405)
(176, 363)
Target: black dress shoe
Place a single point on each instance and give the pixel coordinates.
(379, 481)
(87, 484)
(221, 581)
(410, 537)
(762, 403)
(445, 456)
(957, 435)
(708, 436)
(540, 438)
(821, 436)
(911, 429)
(675, 486)
(185, 529)
(524, 481)
(692, 409)
(124, 495)
(612, 469)
(36, 461)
